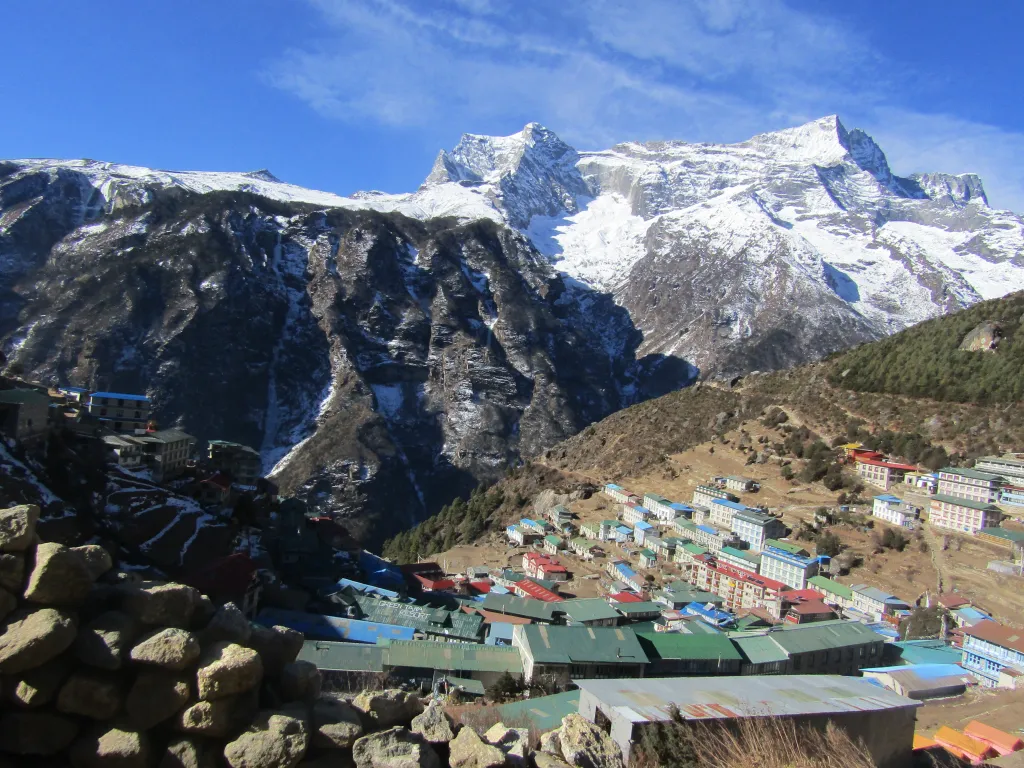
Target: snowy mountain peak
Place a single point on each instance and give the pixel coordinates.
(479, 158)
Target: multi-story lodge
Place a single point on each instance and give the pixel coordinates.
(722, 511)
(119, 411)
(634, 513)
(24, 414)
(241, 462)
(740, 483)
(892, 509)
(620, 494)
(739, 589)
(166, 452)
(970, 484)
(792, 570)
(875, 603)
(756, 527)
(705, 494)
(1011, 466)
(994, 653)
(961, 514)
(884, 474)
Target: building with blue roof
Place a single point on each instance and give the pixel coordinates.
(640, 531)
(120, 411)
(367, 588)
(969, 615)
(893, 510)
(791, 569)
(634, 513)
(317, 626)
(924, 652)
(922, 681)
(709, 614)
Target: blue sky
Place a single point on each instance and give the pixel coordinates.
(345, 95)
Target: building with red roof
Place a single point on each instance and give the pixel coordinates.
(540, 566)
(430, 584)
(884, 474)
(625, 597)
(740, 589)
(527, 588)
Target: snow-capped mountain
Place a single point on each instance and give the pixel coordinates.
(386, 351)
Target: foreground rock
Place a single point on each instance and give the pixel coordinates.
(227, 625)
(157, 604)
(388, 708)
(208, 718)
(188, 753)
(277, 646)
(59, 576)
(300, 681)
(36, 733)
(434, 725)
(90, 694)
(104, 641)
(468, 750)
(275, 740)
(336, 724)
(394, 748)
(96, 559)
(111, 747)
(12, 572)
(18, 527)
(33, 637)
(226, 669)
(154, 697)
(170, 648)
(587, 746)
(513, 742)
(39, 685)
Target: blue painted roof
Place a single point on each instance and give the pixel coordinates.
(971, 614)
(924, 671)
(358, 585)
(731, 505)
(121, 396)
(73, 389)
(927, 652)
(624, 529)
(708, 529)
(713, 614)
(680, 507)
(625, 570)
(499, 631)
(789, 557)
(319, 627)
(643, 526)
(613, 486)
(889, 498)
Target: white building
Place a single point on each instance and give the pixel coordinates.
(722, 511)
(960, 514)
(740, 483)
(634, 513)
(755, 527)
(884, 474)
(705, 494)
(792, 570)
(1011, 466)
(618, 493)
(970, 484)
(894, 510)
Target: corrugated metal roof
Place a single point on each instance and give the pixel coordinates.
(829, 586)
(599, 645)
(700, 698)
(459, 657)
(785, 546)
(760, 649)
(518, 606)
(317, 626)
(962, 502)
(806, 638)
(343, 657)
(587, 609)
(927, 652)
(973, 474)
(677, 645)
(645, 606)
(545, 712)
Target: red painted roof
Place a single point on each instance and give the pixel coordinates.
(998, 634)
(435, 584)
(625, 597)
(811, 607)
(553, 568)
(889, 464)
(536, 591)
(750, 578)
(802, 595)
(952, 600)
(482, 587)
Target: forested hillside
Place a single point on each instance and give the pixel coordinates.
(972, 356)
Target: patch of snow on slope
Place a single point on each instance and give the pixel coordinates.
(596, 246)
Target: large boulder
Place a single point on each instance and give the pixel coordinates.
(394, 748)
(8, 603)
(277, 646)
(36, 687)
(300, 681)
(170, 648)
(514, 742)
(159, 604)
(388, 708)
(468, 750)
(32, 637)
(275, 740)
(36, 733)
(434, 725)
(547, 760)
(208, 718)
(587, 746)
(90, 694)
(59, 576)
(228, 624)
(97, 560)
(104, 641)
(336, 723)
(983, 338)
(226, 669)
(12, 572)
(18, 527)
(156, 696)
(108, 747)
(186, 752)
(550, 743)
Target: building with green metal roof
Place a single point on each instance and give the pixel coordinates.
(786, 546)
(524, 607)
(332, 656)
(545, 713)
(419, 659)
(427, 620)
(642, 611)
(826, 647)
(588, 611)
(560, 653)
(679, 654)
(835, 592)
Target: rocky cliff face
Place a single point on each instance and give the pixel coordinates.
(382, 364)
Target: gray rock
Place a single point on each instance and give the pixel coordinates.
(38, 686)
(388, 708)
(334, 759)
(170, 648)
(186, 752)
(97, 560)
(550, 743)
(36, 733)
(275, 740)
(12, 572)
(300, 681)
(587, 746)
(18, 527)
(983, 338)
(104, 748)
(468, 750)
(394, 748)
(58, 576)
(277, 646)
(156, 696)
(514, 742)
(226, 669)
(336, 723)
(434, 725)
(158, 604)
(547, 760)
(31, 638)
(209, 718)
(104, 641)
(228, 624)
(8, 603)
(90, 694)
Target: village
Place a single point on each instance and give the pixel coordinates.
(614, 584)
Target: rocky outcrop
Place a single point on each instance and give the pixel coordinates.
(983, 338)
(585, 745)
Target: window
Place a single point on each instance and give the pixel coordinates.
(103, 412)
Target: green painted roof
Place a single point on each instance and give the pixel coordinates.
(583, 645)
(513, 605)
(748, 556)
(677, 645)
(468, 684)
(587, 609)
(760, 649)
(344, 657)
(750, 621)
(1003, 533)
(695, 549)
(428, 619)
(686, 525)
(785, 546)
(648, 606)
(822, 636)
(544, 712)
(581, 541)
(657, 498)
(831, 587)
(612, 523)
(969, 503)
(648, 554)
(552, 539)
(973, 474)
(457, 657)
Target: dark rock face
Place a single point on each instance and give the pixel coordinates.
(381, 364)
